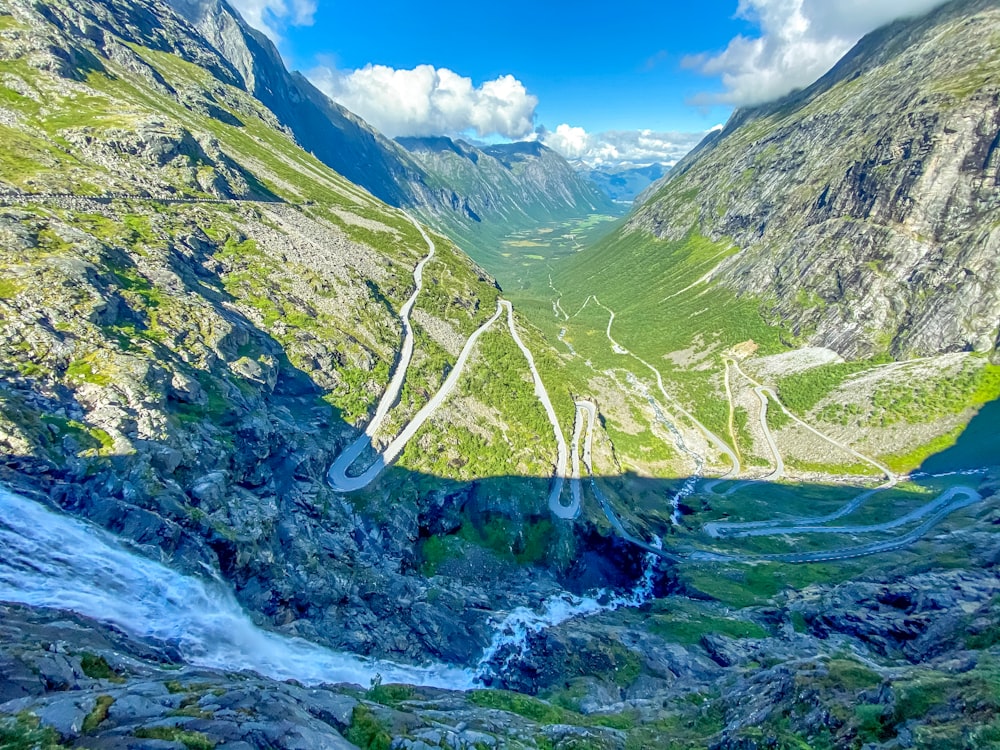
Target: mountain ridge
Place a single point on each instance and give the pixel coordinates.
(896, 185)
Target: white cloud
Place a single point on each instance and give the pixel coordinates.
(430, 101)
(618, 148)
(270, 16)
(799, 41)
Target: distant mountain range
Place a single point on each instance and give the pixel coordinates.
(624, 184)
(474, 195)
(487, 193)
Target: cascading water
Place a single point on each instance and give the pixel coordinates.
(511, 641)
(51, 560)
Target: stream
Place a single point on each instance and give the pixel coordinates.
(51, 560)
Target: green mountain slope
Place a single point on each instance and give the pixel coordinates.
(858, 215)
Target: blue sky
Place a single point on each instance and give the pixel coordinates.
(606, 84)
(588, 65)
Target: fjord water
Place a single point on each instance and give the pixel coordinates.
(50, 560)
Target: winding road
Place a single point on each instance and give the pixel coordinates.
(780, 526)
(337, 475)
(568, 461)
(585, 412)
(721, 444)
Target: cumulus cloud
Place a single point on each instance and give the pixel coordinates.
(270, 16)
(618, 148)
(799, 41)
(431, 101)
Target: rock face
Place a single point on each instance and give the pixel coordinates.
(336, 136)
(865, 206)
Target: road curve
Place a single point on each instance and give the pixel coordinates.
(971, 498)
(727, 528)
(562, 453)
(337, 475)
(582, 408)
(779, 462)
(945, 498)
(889, 475)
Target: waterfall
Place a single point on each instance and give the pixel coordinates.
(48, 559)
(511, 640)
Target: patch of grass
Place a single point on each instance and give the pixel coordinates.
(434, 551)
(97, 668)
(98, 714)
(801, 391)
(24, 732)
(9, 288)
(366, 731)
(86, 371)
(526, 542)
(389, 695)
(545, 713)
(689, 628)
(903, 462)
(872, 721)
(190, 740)
(849, 675)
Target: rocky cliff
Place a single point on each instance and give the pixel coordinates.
(864, 207)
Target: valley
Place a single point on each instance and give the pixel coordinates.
(313, 437)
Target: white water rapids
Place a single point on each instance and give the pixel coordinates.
(50, 560)
(511, 640)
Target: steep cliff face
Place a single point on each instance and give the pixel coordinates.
(338, 138)
(866, 208)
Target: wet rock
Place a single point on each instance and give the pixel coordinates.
(66, 714)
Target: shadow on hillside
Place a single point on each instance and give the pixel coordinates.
(977, 446)
(236, 479)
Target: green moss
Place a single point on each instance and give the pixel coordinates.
(366, 731)
(97, 668)
(799, 623)
(10, 288)
(190, 740)
(98, 714)
(85, 370)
